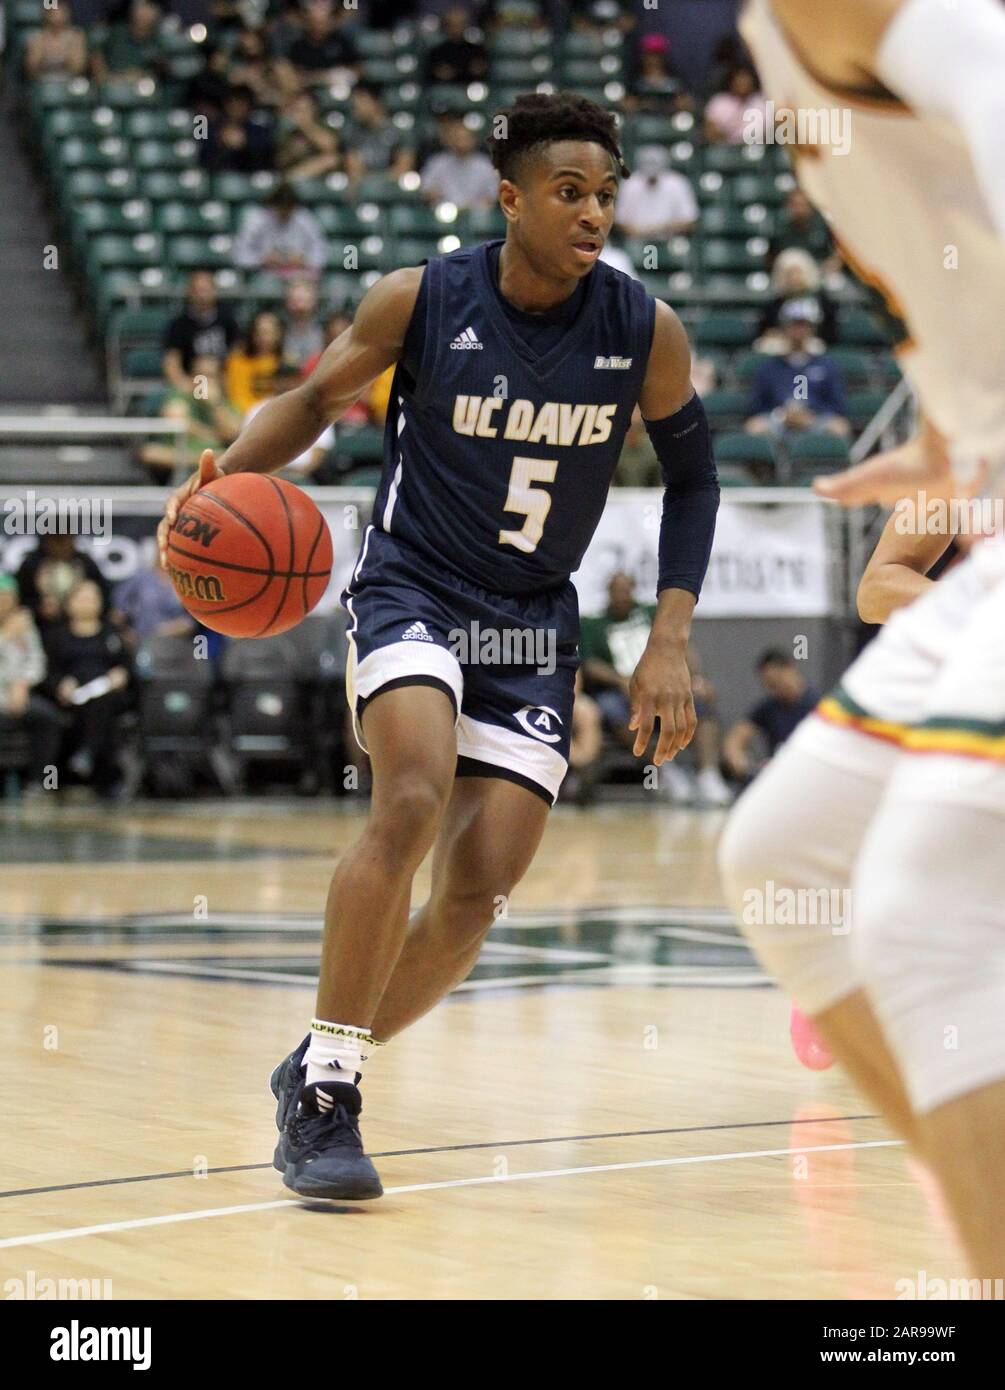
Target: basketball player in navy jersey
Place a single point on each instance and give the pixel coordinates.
(519, 364)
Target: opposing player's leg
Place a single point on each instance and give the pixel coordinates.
(931, 885)
(786, 858)
(488, 838)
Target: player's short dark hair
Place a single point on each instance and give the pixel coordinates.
(536, 119)
(774, 656)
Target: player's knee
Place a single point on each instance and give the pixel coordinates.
(407, 815)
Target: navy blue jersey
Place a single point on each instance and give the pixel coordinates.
(498, 456)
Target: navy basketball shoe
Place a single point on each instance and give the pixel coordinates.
(285, 1081)
(320, 1151)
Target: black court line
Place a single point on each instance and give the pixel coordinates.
(445, 1149)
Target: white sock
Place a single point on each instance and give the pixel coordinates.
(337, 1052)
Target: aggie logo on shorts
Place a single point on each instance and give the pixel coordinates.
(540, 721)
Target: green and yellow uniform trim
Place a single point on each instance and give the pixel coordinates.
(965, 738)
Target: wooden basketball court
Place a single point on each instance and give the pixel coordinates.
(608, 1108)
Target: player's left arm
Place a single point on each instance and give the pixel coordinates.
(675, 419)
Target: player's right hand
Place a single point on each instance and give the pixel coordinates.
(205, 473)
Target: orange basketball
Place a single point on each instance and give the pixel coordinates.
(249, 555)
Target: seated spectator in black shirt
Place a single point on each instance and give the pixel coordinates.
(797, 389)
(131, 49)
(205, 92)
(372, 142)
(237, 142)
(22, 667)
(456, 58)
(324, 46)
(654, 87)
(49, 572)
(802, 227)
(202, 329)
(790, 698)
(89, 673)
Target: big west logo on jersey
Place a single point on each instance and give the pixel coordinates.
(555, 422)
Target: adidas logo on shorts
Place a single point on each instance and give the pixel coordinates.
(416, 633)
(466, 342)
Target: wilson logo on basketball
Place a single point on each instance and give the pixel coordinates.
(196, 529)
(201, 586)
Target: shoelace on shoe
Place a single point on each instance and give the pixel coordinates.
(337, 1127)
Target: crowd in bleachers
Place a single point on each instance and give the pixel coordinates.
(296, 152)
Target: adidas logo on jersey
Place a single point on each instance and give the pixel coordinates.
(620, 364)
(466, 342)
(416, 633)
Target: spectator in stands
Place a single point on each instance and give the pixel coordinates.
(22, 668)
(456, 58)
(58, 49)
(84, 649)
(282, 237)
(372, 143)
(324, 48)
(202, 329)
(585, 747)
(797, 390)
(638, 465)
(254, 362)
(654, 87)
(302, 335)
(307, 148)
(459, 173)
(49, 572)
(132, 49)
(738, 108)
(249, 65)
(655, 201)
(795, 276)
(236, 141)
(147, 605)
(802, 228)
(610, 647)
(303, 468)
(212, 421)
(789, 698)
(205, 93)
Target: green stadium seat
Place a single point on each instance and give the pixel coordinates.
(740, 447)
(109, 153)
(176, 155)
(660, 257)
(362, 445)
(363, 477)
(125, 252)
(737, 159)
(857, 327)
(339, 219)
(535, 67)
(400, 251)
(724, 254)
(243, 188)
(771, 189)
(582, 73)
(863, 405)
(377, 189)
(445, 96)
(813, 452)
(86, 123)
(55, 94)
(856, 367)
(375, 43)
(419, 219)
(734, 475)
(189, 252)
(589, 44)
(486, 223)
(159, 125)
(726, 410)
(518, 43)
(109, 185)
(128, 94)
(342, 289)
(743, 367)
(725, 329)
(205, 219)
(385, 71)
(189, 185)
(721, 220)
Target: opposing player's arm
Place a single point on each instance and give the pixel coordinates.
(897, 571)
(287, 427)
(940, 59)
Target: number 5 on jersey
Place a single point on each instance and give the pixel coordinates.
(532, 502)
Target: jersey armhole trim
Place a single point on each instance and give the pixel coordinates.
(431, 342)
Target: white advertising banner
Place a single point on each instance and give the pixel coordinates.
(768, 560)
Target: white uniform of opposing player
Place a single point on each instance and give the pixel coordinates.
(900, 774)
